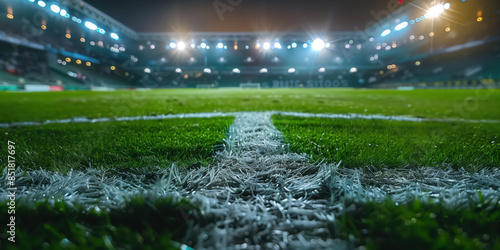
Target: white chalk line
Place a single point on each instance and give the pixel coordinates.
(221, 114)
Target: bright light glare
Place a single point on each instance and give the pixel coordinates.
(63, 13)
(291, 70)
(203, 45)
(220, 45)
(207, 71)
(236, 71)
(90, 25)
(401, 26)
(181, 45)
(446, 6)
(318, 44)
(54, 8)
(173, 45)
(266, 45)
(353, 70)
(434, 11)
(41, 4)
(263, 70)
(321, 70)
(114, 36)
(178, 70)
(277, 45)
(147, 70)
(294, 45)
(385, 32)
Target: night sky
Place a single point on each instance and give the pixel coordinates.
(248, 15)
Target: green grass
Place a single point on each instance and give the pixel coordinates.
(379, 143)
(60, 147)
(468, 104)
(142, 224)
(420, 225)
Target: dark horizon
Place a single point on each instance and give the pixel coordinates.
(244, 16)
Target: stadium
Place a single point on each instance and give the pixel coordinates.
(232, 124)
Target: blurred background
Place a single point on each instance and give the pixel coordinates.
(79, 45)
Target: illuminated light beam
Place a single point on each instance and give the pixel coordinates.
(54, 8)
(401, 26)
(385, 33)
(90, 25)
(434, 11)
(114, 36)
(181, 46)
(318, 44)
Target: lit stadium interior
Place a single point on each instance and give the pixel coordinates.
(233, 124)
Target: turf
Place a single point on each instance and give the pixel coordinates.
(421, 225)
(393, 144)
(479, 103)
(141, 224)
(60, 147)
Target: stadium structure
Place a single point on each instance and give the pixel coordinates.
(80, 46)
(382, 137)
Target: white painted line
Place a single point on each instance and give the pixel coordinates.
(220, 114)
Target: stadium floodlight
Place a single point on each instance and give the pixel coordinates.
(173, 45)
(318, 44)
(328, 45)
(401, 26)
(434, 11)
(321, 70)
(178, 70)
(64, 13)
(220, 45)
(147, 70)
(114, 36)
(294, 45)
(90, 25)
(181, 46)
(102, 31)
(263, 71)
(353, 70)
(236, 71)
(291, 70)
(54, 8)
(32, 1)
(42, 4)
(207, 71)
(277, 45)
(203, 45)
(266, 45)
(305, 45)
(385, 32)
(446, 6)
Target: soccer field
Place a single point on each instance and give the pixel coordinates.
(264, 168)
